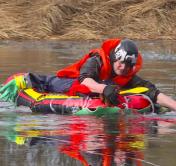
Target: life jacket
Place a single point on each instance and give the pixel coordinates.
(73, 70)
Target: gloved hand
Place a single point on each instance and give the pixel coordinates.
(110, 94)
(9, 91)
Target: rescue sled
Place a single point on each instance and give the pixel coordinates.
(62, 104)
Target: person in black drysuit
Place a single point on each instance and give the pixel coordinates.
(104, 71)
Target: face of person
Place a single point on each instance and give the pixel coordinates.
(120, 68)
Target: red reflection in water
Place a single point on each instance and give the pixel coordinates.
(118, 140)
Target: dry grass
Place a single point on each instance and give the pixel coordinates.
(87, 19)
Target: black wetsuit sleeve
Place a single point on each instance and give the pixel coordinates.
(136, 81)
(91, 69)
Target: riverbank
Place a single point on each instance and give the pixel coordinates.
(88, 19)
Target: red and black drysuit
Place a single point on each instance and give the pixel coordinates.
(97, 65)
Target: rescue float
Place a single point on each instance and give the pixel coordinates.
(62, 104)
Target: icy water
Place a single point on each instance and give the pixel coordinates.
(48, 140)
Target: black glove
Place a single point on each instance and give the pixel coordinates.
(110, 93)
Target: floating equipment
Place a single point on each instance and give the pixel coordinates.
(62, 104)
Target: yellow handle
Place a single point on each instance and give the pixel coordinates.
(20, 82)
(136, 90)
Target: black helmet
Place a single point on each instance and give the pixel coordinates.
(126, 52)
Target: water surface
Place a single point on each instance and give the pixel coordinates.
(30, 139)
